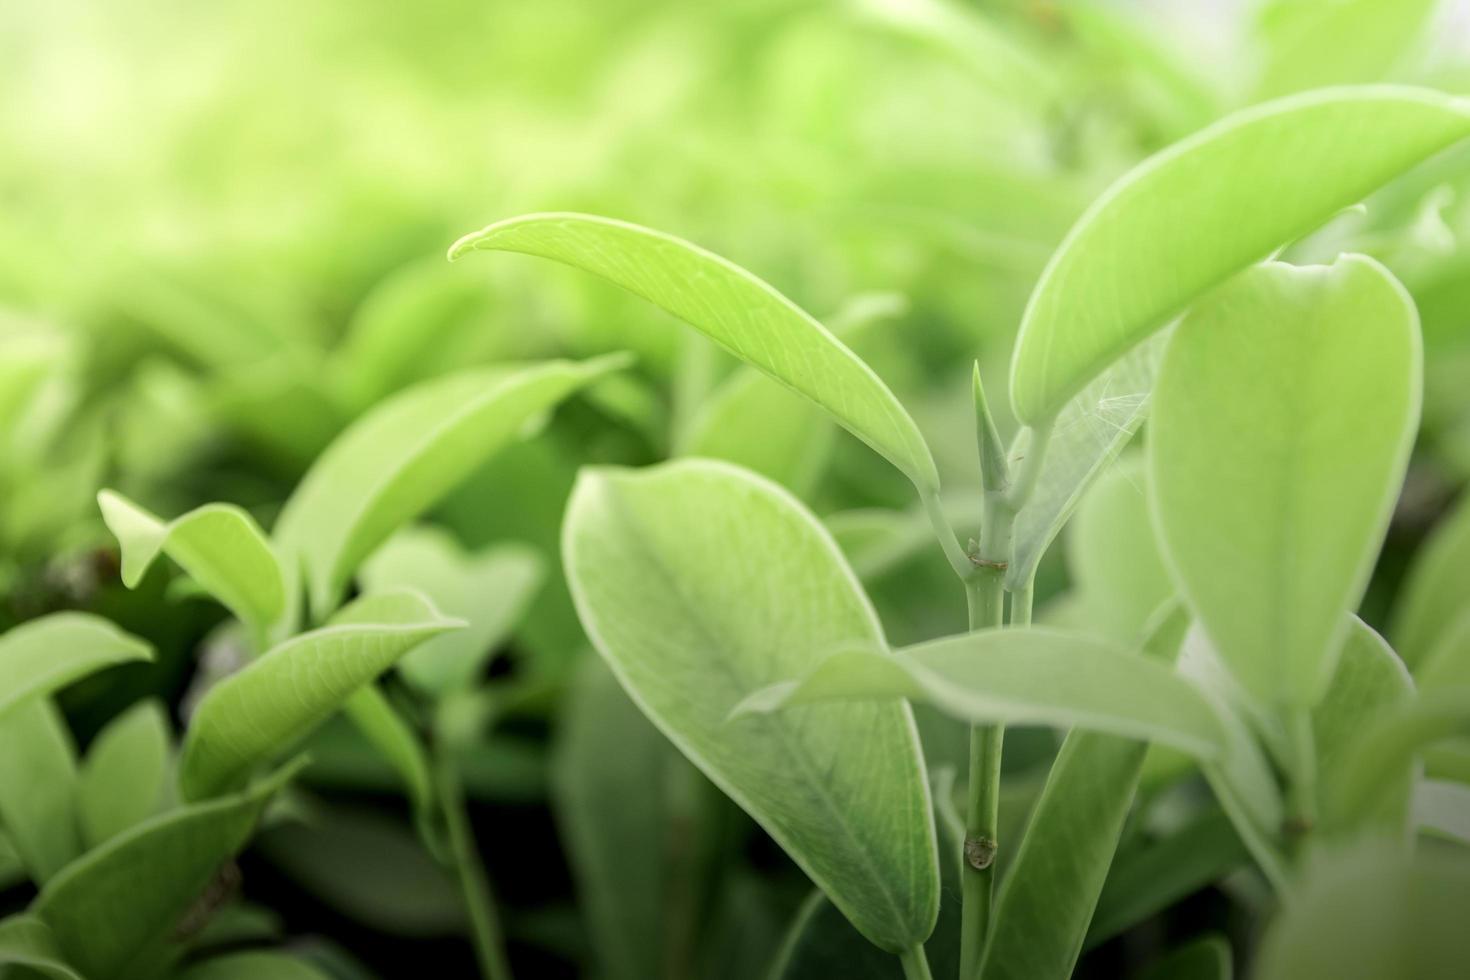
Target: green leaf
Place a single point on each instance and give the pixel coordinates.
(490, 590)
(114, 910)
(1447, 664)
(38, 787)
(44, 655)
(1190, 217)
(124, 778)
(253, 965)
(1151, 879)
(743, 314)
(1377, 756)
(26, 941)
(401, 458)
(821, 943)
(1315, 44)
(1087, 436)
(1433, 595)
(699, 584)
(1114, 557)
(279, 698)
(1369, 682)
(1204, 959)
(1048, 896)
(218, 545)
(1369, 915)
(1274, 470)
(754, 423)
(1017, 677)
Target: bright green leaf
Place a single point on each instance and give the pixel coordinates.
(743, 314)
(114, 910)
(219, 545)
(401, 458)
(1283, 419)
(700, 584)
(1207, 207)
(280, 697)
(44, 655)
(124, 777)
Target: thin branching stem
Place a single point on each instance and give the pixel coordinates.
(474, 885)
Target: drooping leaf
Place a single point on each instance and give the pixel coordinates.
(26, 942)
(124, 777)
(1048, 896)
(38, 787)
(218, 545)
(490, 590)
(1090, 432)
(253, 965)
(44, 655)
(1016, 677)
(1370, 681)
(1274, 472)
(1433, 596)
(663, 566)
(114, 911)
(401, 458)
(1188, 218)
(743, 314)
(280, 697)
(1364, 916)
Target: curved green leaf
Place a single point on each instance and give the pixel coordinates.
(44, 655)
(38, 780)
(1433, 595)
(1187, 219)
(280, 697)
(1366, 916)
(218, 545)
(401, 458)
(114, 911)
(699, 584)
(743, 314)
(253, 965)
(26, 941)
(1048, 896)
(490, 590)
(1017, 677)
(124, 778)
(1283, 418)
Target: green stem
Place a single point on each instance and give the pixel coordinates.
(1302, 792)
(479, 903)
(915, 964)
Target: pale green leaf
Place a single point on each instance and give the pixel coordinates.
(401, 458)
(1048, 896)
(1017, 677)
(1433, 595)
(124, 778)
(490, 590)
(1207, 207)
(738, 311)
(115, 910)
(1308, 45)
(46, 654)
(218, 545)
(253, 965)
(38, 787)
(26, 941)
(1371, 915)
(700, 584)
(279, 698)
(1283, 419)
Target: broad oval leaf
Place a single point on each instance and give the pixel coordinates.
(401, 458)
(1187, 219)
(490, 590)
(699, 584)
(44, 655)
(1283, 418)
(124, 778)
(1017, 677)
(742, 313)
(218, 545)
(1433, 596)
(280, 697)
(114, 910)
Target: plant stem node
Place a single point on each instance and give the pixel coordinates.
(980, 852)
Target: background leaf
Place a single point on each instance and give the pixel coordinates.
(125, 776)
(44, 655)
(38, 787)
(663, 567)
(1433, 595)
